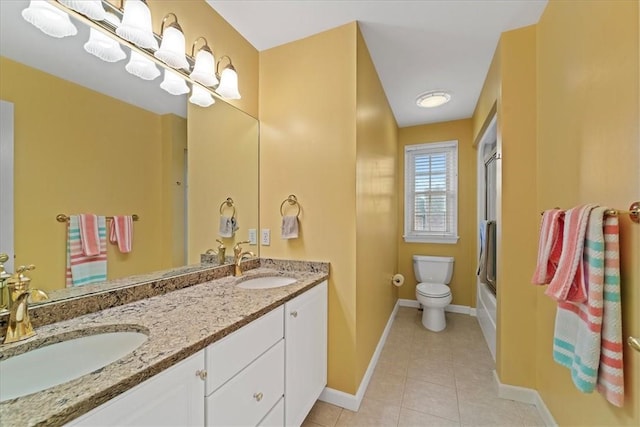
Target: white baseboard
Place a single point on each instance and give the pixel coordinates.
(525, 395)
(349, 401)
(453, 308)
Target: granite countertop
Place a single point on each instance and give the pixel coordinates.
(178, 324)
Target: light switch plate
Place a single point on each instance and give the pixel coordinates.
(253, 236)
(265, 237)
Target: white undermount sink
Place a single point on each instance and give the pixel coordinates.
(54, 364)
(266, 282)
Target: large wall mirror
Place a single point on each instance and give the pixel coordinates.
(88, 137)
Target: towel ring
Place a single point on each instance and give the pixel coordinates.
(293, 200)
(228, 203)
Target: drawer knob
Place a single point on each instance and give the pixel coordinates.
(202, 373)
(294, 313)
(258, 396)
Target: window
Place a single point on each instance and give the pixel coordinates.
(431, 192)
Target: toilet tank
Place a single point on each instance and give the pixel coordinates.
(433, 269)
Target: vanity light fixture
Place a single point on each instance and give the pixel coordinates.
(91, 8)
(203, 70)
(200, 96)
(173, 83)
(171, 50)
(136, 25)
(105, 47)
(141, 67)
(49, 19)
(434, 98)
(228, 87)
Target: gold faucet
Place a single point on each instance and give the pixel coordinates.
(220, 253)
(238, 256)
(19, 324)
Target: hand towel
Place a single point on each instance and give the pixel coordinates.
(549, 246)
(480, 271)
(568, 282)
(226, 226)
(121, 232)
(289, 227)
(89, 238)
(610, 373)
(577, 334)
(82, 269)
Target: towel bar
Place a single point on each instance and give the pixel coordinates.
(228, 203)
(633, 212)
(293, 200)
(65, 218)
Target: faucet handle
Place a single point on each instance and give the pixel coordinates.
(237, 246)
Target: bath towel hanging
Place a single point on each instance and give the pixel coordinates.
(549, 246)
(89, 237)
(80, 268)
(121, 232)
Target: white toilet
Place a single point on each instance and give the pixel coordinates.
(433, 274)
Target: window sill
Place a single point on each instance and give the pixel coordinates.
(432, 239)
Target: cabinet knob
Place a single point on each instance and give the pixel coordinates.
(258, 396)
(202, 373)
(294, 313)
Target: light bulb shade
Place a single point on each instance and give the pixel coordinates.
(136, 25)
(49, 19)
(105, 47)
(174, 84)
(171, 50)
(204, 68)
(201, 97)
(141, 67)
(229, 84)
(91, 8)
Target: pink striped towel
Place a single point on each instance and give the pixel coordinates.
(610, 372)
(89, 238)
(549, 246)
(568, 284)
(121, 232)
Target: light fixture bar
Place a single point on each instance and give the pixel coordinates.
(109, 30)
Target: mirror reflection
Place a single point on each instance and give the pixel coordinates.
(90, 138)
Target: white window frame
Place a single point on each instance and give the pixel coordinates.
(410, 235)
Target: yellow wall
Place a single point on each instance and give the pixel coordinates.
(61, 134)
(197, 19)
(589, 152)
(376, 207)
(307, 148)
(223, 162)
(463, 280)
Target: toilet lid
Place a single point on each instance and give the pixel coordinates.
(433, 290)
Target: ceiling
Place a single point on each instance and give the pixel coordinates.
(416, 46)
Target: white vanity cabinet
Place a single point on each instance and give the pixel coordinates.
(174, 397)
(306, 352)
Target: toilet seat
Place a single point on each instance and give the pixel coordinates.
(433, 290)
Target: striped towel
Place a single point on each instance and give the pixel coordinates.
(121, 232)
(83, 269)
(549, 246)
(576, 343)
(611, 375)
(568, 282)
(89, 237)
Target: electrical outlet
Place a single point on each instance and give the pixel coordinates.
(253, 236)
(266, 237)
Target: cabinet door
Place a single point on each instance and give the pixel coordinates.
(174, 397)
(306, 352)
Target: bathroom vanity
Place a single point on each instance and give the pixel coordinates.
(216, 355)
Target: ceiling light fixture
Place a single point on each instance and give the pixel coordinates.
(434, 98)
(136, 25)
(228, 87)
(171, 50)
(203, 70)
(49, 19)
(105, 47)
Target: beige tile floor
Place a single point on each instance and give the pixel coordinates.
(431, 379)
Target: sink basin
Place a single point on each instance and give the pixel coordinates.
(266, 282)
(64, 361)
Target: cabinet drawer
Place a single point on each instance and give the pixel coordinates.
(275, 417)
(248, 397)
(231, 354)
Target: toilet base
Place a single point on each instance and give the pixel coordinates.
(433, 319)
